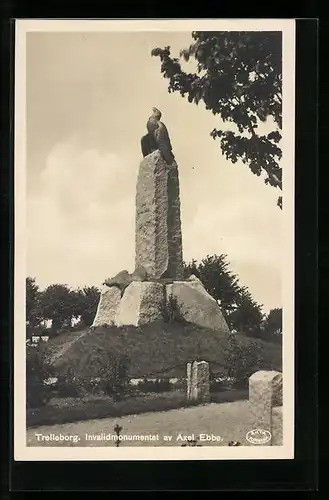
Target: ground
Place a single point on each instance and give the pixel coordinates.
(154, 350)
(230, 421)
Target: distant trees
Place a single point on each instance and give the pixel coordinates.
(273, 323)
(33, 309)
(88, 299)
(218, 280)
(241, 360)
(247, 316)
(241, 311)
(59, 304)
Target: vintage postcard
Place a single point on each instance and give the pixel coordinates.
(154, 239)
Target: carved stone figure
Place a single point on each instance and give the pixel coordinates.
(148, 144)
(157, 130)
(123, 278)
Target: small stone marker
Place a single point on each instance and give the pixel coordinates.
(198, 381)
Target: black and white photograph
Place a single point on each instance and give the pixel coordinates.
(154, 239)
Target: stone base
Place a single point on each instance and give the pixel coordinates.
(196, 305)
(142, 303)
(107, 307)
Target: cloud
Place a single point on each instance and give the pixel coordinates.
(81, 220)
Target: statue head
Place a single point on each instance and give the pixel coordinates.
(156, 113)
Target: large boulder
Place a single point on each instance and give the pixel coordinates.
(196, 305)
(141, 304)
(107, 306)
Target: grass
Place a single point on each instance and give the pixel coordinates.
(63, 410)
(160, 348)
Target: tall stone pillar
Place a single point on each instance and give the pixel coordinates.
(158, 235)
(175, 246)
(198, 385)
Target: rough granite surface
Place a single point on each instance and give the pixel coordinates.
(107, 307)
(265, 392)
(196, 305)
(140, 304)
(158, 224)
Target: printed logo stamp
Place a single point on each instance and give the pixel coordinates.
(258, 436)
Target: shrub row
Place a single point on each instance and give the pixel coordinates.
(62, 411)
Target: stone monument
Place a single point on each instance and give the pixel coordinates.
(198, 386)
(138, 298)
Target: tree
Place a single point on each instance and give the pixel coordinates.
(241, 311)
(247, 318)
(217, 279)
(33, 312)
(88, 299)
(272, 325)
(239, 77)
(38, 369)
(59, 304)
(242, 360)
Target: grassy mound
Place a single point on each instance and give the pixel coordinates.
(153, 350)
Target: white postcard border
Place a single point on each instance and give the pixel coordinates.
(25, 453)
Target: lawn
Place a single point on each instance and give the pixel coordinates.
(160, 348)
(63, 410)
(229, 421)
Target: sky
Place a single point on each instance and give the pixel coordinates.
(88, 97)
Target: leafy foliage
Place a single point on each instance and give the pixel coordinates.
(88, 299)
(247, 317)
(95, 371)
(158, 385)
(241, 311)
(216, 277)
(33, 311)
(272, 325)
(242, 360)
(170, 310)
(238, 77)
(38, 370)
(60, 304)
